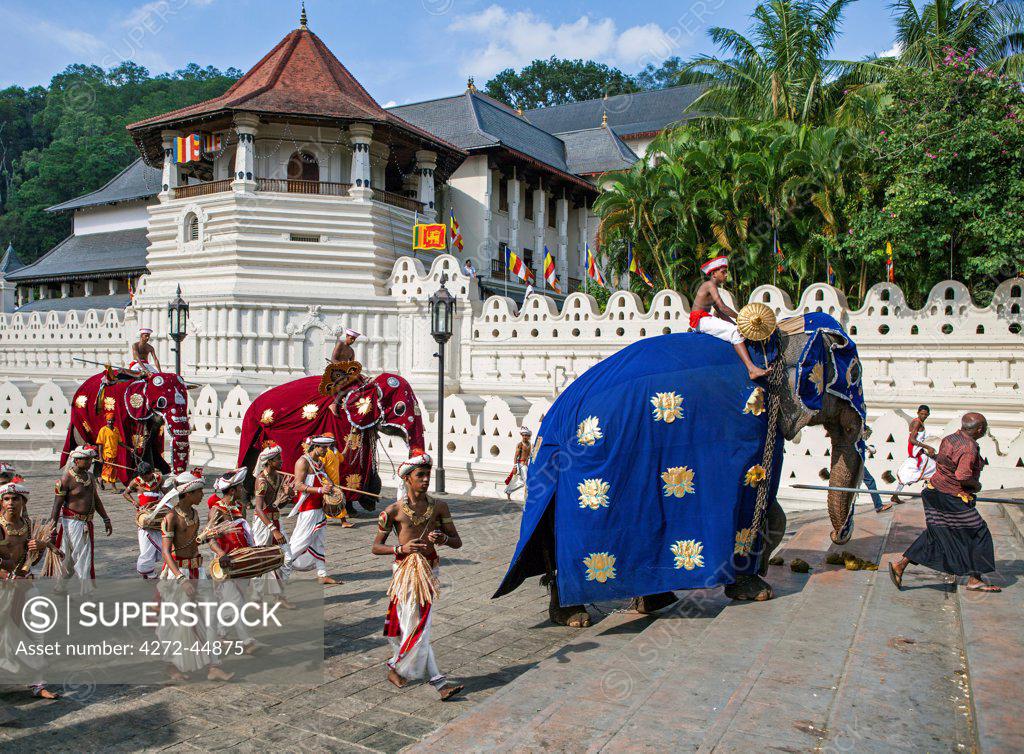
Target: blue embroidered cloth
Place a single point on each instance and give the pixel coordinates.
(642, 463)
(840, 373)
(645, 469)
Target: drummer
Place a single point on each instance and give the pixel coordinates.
(226, 501)
(332, 465)
(270, 487)
(146, 484)
(306, 549)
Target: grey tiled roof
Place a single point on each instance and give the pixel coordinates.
(117, 301)
(639, 112)
(596, 150)
(9, 262)
(93, 255)
(137, 181)
(474, 121)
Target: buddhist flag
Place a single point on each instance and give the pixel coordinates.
(212, 143)
(429, 237)
(456, 234)
(831, 275)
(186, 149)
(593, 272)
(634, 266)
(515, 265)
(780, 258)
(549, 271)
(890, 266)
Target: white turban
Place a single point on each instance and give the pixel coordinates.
(187, 482)
(145, 331)
(83, 452)
(322, 441)
(269, 453)
(525, 432)
(6, 468)
(14, 488)
(414, 462)
(352, 333)
(225, 482)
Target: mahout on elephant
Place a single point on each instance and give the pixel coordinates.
(657, 469)
(145, 405)
(344, 403)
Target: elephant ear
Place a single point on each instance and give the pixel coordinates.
(363, 406)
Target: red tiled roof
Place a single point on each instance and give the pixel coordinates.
(300, 76)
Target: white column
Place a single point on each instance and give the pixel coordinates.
(171, 172)
(540, 208)
(244, 177)
(426, 163)
(90, 287)
(581, 244)
(42, 292)
(111, 286)
(488, 247)
(411, 185)
(361, 136)
(21, 295)
(513, 214)
(65, 290)
(562, 227)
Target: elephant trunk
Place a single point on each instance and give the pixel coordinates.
(846, 471)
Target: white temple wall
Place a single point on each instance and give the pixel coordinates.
(505, 366)
(108, 219)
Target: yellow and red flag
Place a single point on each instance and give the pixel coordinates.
(549, 271)
(429, 237)
(515, 265)
(593, 271)
(890, 266)
(186, 149)
(634, 266)
(456, 233)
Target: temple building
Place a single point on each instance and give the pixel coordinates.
(306, 190)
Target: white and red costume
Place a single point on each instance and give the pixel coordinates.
(306, 546)
(918, 466)
(150, 552)
(701, 320)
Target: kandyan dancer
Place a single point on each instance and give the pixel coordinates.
(17, 546)
(517, 478)
(270, 487)
(147, 484)
(422, 525)
(75, 500)
(956, 539)
(306, 547)
(143, 352)
(919, 464)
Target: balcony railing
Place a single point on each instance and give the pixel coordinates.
(202, 189)
(397, 200)
(289, 186)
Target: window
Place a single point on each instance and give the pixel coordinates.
(502, 194)
(528, 204)
(302, 166)
(191, 227)
(552, 209)
(528, 258)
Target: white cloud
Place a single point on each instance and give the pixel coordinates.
(892, 52)
(512, 39)
(158, 12)
(79, 42)
(390, 103)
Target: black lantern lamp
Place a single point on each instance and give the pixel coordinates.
(442, 315)
(177, 314)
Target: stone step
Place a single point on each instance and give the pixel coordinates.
(991, 635)
(599, 683)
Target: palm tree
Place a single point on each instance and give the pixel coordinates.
(992, 28)
(781, 70)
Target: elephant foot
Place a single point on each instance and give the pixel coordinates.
(749, 588)
(573, 616)
(841, 539)
(652, 603)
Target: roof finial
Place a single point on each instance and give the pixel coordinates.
(519, 110)
(604, 119)
(470, 86)
(302, 18)
(604, 114)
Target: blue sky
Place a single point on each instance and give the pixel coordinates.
(401, 51)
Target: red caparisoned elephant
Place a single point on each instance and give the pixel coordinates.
(142, 405)
(294, 411)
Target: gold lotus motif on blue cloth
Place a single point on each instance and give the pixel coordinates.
(600, 566)
(818, 377)
(688, 554)
(678, 481)
(593, 493)
(667, 407)
(755, 402)
(589, 431)
(744, 541)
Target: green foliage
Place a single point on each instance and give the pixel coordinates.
(556, 81)
(946, 179)
(70, 139)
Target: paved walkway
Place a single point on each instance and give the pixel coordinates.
(839, 661)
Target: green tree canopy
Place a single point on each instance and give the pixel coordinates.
(556, 81)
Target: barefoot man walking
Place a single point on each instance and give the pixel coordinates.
(956, 539)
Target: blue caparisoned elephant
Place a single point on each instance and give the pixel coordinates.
(646, 470)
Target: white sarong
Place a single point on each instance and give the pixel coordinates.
(721, 329)
(408, 630)
(75, 540)
(306, 545)
(269, 583)
(918, 466)
(518, 479)
(150, 553)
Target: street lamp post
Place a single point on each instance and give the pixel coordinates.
(177, 313)
(442, 312)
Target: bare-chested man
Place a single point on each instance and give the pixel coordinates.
(306, 548)
(343, 350)
(17, 547)
(520, 461)
(75, 500)
(422, 524)
(184, 563)
(144, 358)
(722, 326)
(271, 486)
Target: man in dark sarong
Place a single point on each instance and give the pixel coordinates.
(957, 539)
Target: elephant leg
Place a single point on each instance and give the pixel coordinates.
(751, 588)
(574, 616)
(652, 603)
(775, 530)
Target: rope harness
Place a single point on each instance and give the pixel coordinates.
(775, 379)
